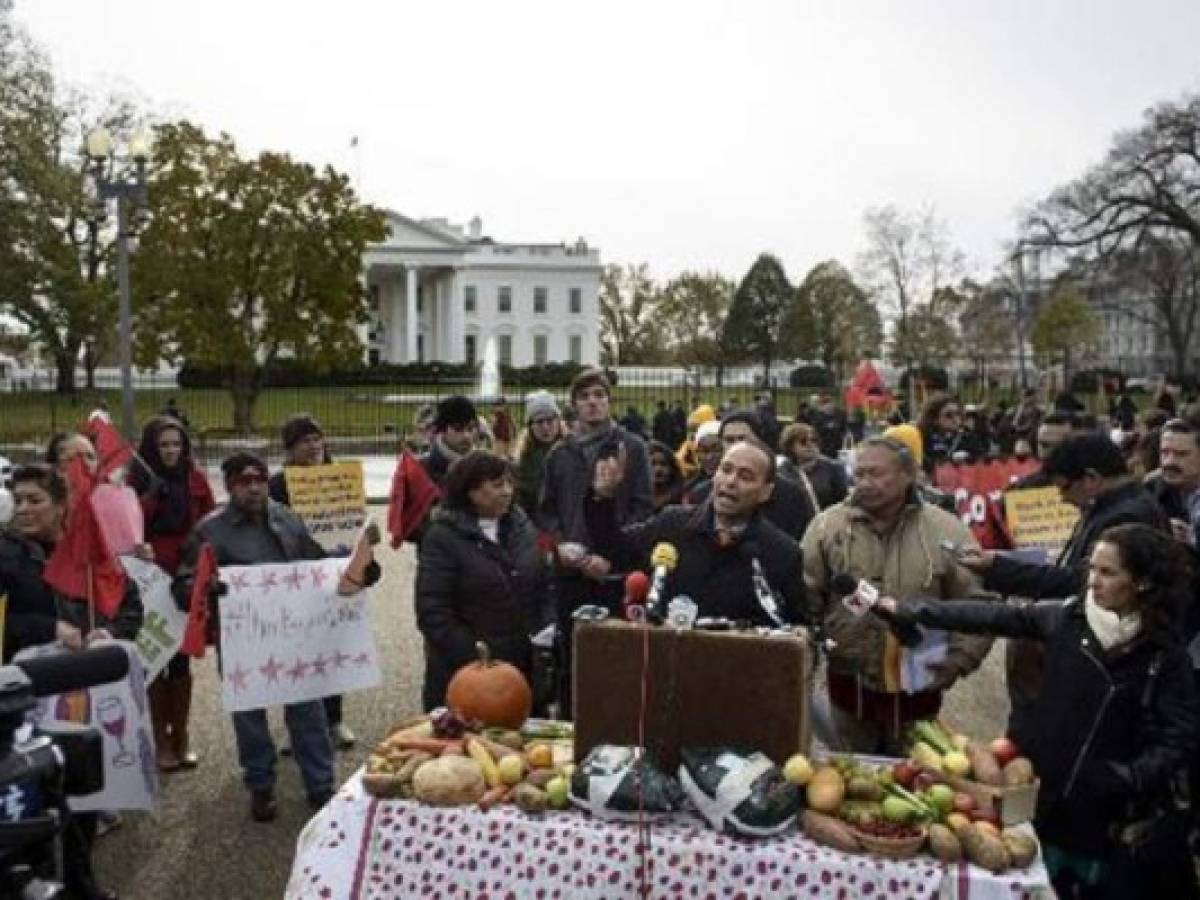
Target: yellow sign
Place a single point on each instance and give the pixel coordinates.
(331, 501)
(1039, 519)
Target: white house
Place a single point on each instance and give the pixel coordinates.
(436, 294)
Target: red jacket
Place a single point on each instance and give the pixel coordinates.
(168, 546)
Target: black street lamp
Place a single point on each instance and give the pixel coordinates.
(131, 196)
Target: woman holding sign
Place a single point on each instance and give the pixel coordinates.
(175, 495)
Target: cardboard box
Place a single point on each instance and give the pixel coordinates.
(703, 689)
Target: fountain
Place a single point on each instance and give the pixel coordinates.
(489, 372)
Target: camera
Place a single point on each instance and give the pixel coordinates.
(40, 768)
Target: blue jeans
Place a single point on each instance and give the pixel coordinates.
(309, 732)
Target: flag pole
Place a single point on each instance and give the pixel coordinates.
(91, 601)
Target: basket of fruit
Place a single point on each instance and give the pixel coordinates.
(895, 840)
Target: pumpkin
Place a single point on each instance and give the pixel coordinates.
(489, 692)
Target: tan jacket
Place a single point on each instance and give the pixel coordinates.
(906, 562)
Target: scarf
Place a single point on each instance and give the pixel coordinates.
(590, 444)
(444, 449)
(1111, 629)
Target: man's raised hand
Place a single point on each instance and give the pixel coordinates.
(610, 472)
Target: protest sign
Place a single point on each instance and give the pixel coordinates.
(330, 500)
(1039, 519)
(163, 622)
(286, 636)
(118, 711)
(977, 489)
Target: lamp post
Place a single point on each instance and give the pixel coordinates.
(131, 196)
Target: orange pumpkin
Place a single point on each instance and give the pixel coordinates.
(490, 692)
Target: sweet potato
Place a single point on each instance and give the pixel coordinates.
(945, 843)
(494, 796)
(1021, 847)
(432, 746)
(1018, 771)
(829, 831)
(985, 849)
(495, 748)
(984, 767)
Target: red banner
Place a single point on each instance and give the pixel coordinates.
(977, 489)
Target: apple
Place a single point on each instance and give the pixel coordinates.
(904, 772)
(557, 791)
(923, 781)
(798, 770)
(942, 797)
(964, 803)
(1004, 750)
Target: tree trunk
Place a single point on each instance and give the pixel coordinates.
(244, 387)
(64, 366)
(90, 359)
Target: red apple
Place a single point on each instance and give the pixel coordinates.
(904, 773)
(923, 781)
(1004, 750)
(964, 803)
(986, 815)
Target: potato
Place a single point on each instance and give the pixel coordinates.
(1023, 848)
(984, 767)
(530, 799)
(828, 831)
(985, 849)
(1018, 771)
(944, 843)
(449, 781)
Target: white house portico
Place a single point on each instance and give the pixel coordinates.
(438, 294)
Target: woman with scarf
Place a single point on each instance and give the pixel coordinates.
(543, 429)
(175, 495)
(1115, 722)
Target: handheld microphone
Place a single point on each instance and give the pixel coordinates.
(762, 588)
(862, 597)
(663, 559)
(633, 604)
(50, 675)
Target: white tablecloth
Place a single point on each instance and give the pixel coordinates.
(358, 847)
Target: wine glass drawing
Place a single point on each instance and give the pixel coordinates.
(110, 712)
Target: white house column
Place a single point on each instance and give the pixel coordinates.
(454, 314)
(410, 315)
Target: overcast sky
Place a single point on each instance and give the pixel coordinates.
(693, 134)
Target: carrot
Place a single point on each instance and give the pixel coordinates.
(435, 746)
(494, 796)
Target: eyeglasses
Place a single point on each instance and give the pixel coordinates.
(545, 420)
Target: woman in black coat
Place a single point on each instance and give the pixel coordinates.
(1115, 722)
(479, 575)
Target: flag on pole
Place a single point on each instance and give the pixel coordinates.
(112, 450)
(194, 635)
(82, 566)
(413, 495)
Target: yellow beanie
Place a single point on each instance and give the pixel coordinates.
(910, 437)
(700, 415)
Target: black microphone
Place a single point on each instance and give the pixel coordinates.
(51, 675)
(758, 578)
(862, 595)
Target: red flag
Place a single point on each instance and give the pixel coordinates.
(413, 495)
(197, 624)
(112, 450)
(82, 566)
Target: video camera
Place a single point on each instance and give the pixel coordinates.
(41, 767)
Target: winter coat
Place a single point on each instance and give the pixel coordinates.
(471, 589)
(1099, 737)
(1124, 504)
(531, 469)
(33, 607)
(165, 538)
(790, 508)
(718, 578)
(905, 562)
(828, 479)
(568, 479)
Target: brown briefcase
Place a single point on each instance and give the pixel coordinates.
(704, 689)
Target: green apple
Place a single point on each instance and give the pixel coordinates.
(556, 792)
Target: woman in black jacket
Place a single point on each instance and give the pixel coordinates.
(479, 576)
(1115, 721)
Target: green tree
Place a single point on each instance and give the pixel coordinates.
(693, 309)
(1064, 324)
(752, 330)
(832, 319)
(248, 261)
(630, 331)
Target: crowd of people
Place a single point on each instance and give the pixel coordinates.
(536, 520)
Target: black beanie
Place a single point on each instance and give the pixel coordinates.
(298, 427)
(457, 411)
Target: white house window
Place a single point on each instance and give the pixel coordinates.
(539, 300)
(576, 348)
(469, 298)
(504, 349)
(504, 299)
(576, 301)
(541, 345)
(469, 349)
(420, 348)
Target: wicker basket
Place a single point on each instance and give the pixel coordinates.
(893, 848)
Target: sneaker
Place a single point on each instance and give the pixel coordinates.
(342, 737)
(319, 799)
(262, 806)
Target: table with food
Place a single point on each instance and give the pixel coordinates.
(477, 800)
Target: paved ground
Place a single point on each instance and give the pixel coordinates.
(200, 843)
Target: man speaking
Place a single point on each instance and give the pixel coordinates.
(724, 549)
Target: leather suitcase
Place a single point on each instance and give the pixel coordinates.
(705, 688)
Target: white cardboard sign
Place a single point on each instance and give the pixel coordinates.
(163, 623)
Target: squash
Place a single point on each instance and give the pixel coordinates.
(490, 693)
(449, 781)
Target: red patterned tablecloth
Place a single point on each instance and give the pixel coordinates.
(359, 848)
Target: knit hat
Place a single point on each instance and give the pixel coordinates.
(910, 437)
(296, 428)
(701, 414)
(540, 404)
(455, 410)
(709, 429)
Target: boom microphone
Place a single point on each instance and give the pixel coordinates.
(663, 559)
(862, 597)
(58, 674)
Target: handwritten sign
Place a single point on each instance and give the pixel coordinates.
(118, 711)
(330, 500)
(1038, 518)
(286, 636)
(163, 623)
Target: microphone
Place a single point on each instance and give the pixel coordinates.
(51, 675)
(663, 559)
(862, 597)
(762, 588)
(633, 604)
